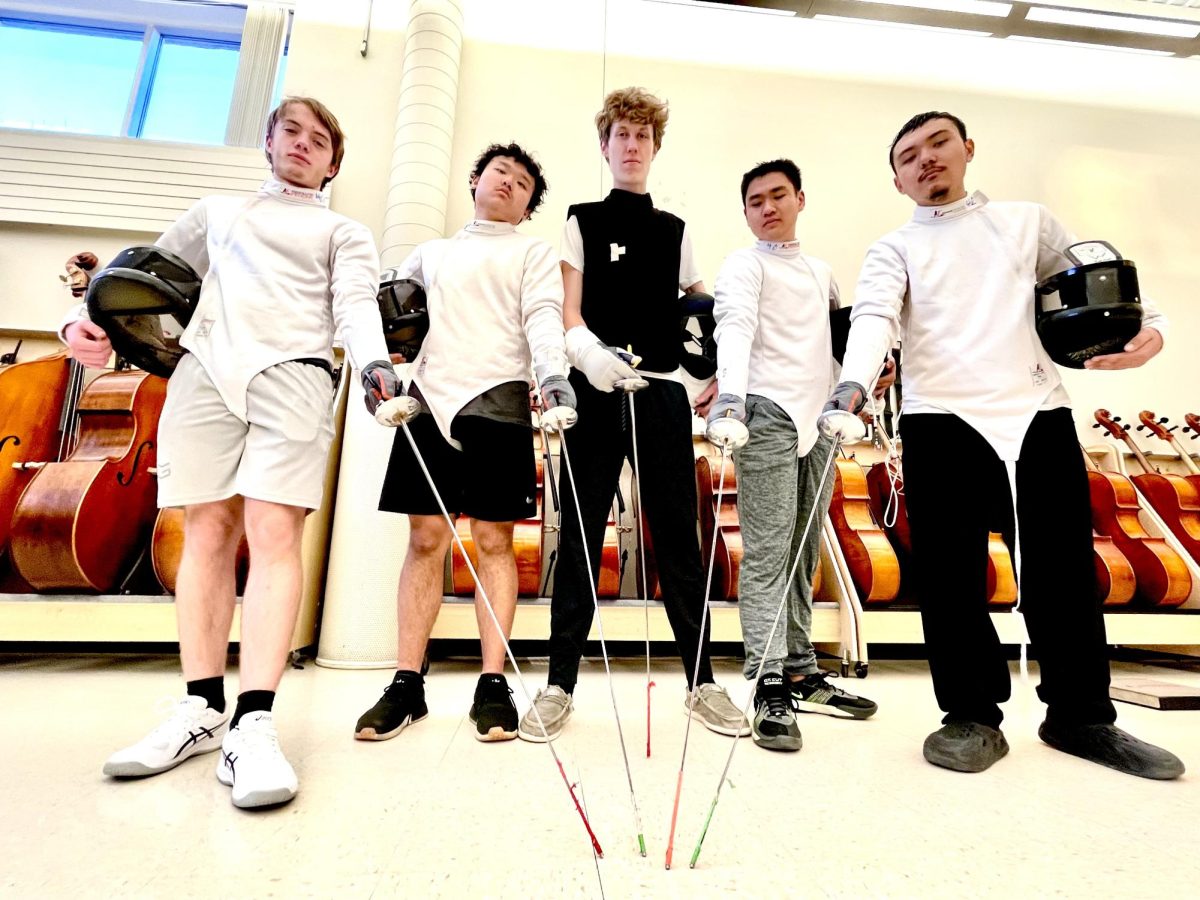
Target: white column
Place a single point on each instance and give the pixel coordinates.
(358, 628)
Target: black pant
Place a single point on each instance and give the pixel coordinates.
(598, 446)
(957, 490)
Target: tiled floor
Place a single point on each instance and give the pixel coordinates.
(434, 813)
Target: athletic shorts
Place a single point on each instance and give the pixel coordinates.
(493, 477)
(206, 453)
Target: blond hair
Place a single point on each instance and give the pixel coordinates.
(637, 105)
(337, 138)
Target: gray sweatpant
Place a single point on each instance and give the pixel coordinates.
(776, 493)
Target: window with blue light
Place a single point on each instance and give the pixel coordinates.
(110, 79)
(190, 91)
(64, 78)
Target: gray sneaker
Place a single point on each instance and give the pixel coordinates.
(716, 711)
(775, 725)
(554, 706)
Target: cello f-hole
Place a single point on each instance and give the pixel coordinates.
(10, 437)
(121, 479)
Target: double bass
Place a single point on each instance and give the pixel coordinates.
(83, 521)
(37, 408)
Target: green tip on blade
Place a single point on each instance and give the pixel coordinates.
(642, 845)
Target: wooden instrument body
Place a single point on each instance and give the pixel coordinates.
(1116, 583)
(31, 400)
(1177, 502)
(727, 566)
(1162, 576)
(81, 522)
(1001, 581)
(873, 564)
(166, 551)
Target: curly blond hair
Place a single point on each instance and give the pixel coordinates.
(637, 105)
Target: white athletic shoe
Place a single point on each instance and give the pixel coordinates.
(254, 766)
(193, 727)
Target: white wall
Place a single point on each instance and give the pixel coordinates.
(1106, 139)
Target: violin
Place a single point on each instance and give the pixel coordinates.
(873, 564)
(1161, 574)
(1173, 497)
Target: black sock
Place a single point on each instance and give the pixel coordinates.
(211, 689)
(252, 701)
(409, 677)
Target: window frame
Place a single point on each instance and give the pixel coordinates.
(153, 32)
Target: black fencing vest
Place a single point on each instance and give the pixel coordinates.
(631, 276)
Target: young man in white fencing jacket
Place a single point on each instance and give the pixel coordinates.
(984, 404)
(495, 309)
(775, 369)
(245, 433)
(624, 263)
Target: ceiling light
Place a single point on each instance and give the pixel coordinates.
(905, 25)
(978, 7)
(1058, 43)
(1160, 27)
(736, 7)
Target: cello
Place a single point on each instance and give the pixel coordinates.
(727, 566)
(1157, 427)
(1162, 576)
(873, 564)
(1173, 497)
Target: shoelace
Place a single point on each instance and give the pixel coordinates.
(777, 704)
(260, 739)
(176, 717)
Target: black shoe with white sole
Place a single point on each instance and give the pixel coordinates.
(816, 695)
(493, 713)
(402, 704)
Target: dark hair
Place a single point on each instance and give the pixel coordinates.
(337, 137)
(785, 167)
(916, 122)
(514, 152)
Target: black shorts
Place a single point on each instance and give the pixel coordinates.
(493, 477)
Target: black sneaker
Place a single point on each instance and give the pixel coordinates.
(816, 695)
(493, 713)
(965, 746)
(402, 704)
(774, 724)
(1109, 746)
